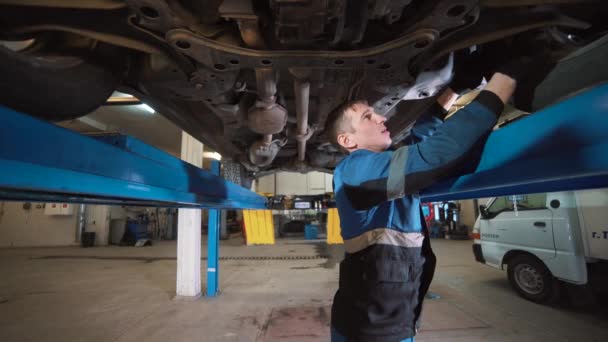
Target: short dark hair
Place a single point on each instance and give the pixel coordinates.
(336, 122)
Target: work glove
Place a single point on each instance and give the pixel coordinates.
(469, 70)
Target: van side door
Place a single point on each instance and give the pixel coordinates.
(521, 222)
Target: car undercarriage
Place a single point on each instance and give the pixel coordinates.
(255, 80)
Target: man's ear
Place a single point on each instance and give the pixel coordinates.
(347, 141)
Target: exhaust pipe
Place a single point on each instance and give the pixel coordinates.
(302, 90)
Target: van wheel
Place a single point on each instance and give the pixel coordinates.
(532, 279)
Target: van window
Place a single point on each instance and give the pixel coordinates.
(532, 202)
(499, 205)
(524, 202)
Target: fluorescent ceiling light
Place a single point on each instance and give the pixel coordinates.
(119, 98)
(146, 108)
(117, 94)
(212, 155)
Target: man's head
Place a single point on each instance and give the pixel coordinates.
(354, 126)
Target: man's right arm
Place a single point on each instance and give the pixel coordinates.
(502, 86)
(444, 154)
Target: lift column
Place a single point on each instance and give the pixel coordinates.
(213, 242)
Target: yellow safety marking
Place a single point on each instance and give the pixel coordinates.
(254, 227)
(259, 228)
(247, 218)
(269, 227)
(333, 227)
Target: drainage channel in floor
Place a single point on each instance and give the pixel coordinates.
(289, 257)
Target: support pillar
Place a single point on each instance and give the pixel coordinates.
(188, 283)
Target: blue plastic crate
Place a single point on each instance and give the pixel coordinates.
(311, 231)
(137, 230)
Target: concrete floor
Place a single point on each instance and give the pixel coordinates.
(126, 294)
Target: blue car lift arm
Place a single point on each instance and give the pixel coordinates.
(563, 147)
(40, 161)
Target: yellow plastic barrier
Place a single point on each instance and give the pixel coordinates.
(333, 227)
(259, 228)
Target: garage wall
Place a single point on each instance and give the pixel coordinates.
(265, 184)
(21, 227)
(291, 183)
(467, 213)
(100, 219)
(294, 183)
(97, 219)
(31, 227)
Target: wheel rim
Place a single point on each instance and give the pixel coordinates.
(529, 279)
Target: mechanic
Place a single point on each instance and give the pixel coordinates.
(388, 264)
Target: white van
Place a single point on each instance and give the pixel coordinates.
(545, 240)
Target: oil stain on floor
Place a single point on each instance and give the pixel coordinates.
(297, 323)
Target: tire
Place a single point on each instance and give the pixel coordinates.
(236, 173)
(58, 87)
(532, 280)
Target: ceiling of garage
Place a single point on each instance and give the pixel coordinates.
(125, 114)
(133, 120)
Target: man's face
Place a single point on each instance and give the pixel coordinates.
(370, 133)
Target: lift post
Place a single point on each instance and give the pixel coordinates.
(213, 242)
